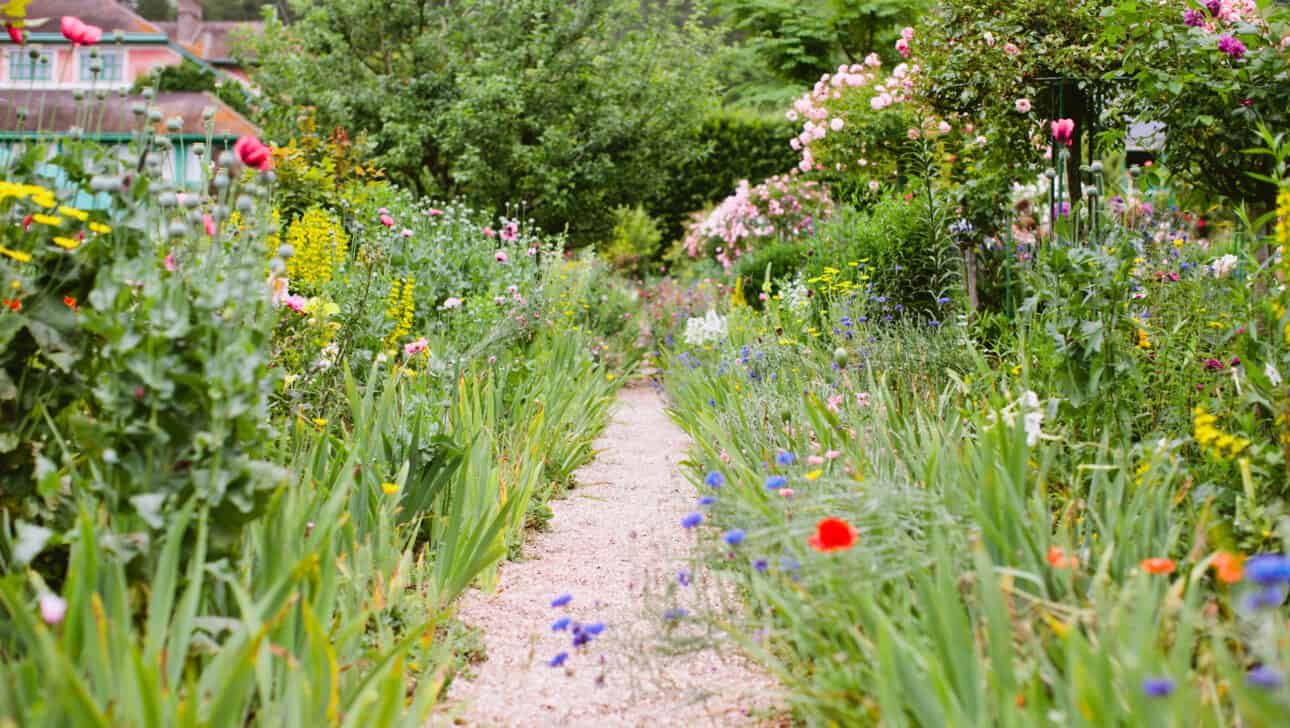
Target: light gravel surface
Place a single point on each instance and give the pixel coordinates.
(616, 545)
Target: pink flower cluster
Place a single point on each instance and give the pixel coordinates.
(813, 106)
(783, 206)
(1223, 12)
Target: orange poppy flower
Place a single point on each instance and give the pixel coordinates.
(1228, 566)
(70, 302)
(832, 534)
(1058, 559)
(1158, 565)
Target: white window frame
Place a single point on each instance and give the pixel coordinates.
(19, 53)
(82, 59)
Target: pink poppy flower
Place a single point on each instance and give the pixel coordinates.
(500, 256)
(452, 302)
(386, 220)
(295, 302)
(169, 262)
(814, 460)
(532, 252)
(405, 232)
(78, 32)
(434, 212)
(253, 153)
(416, 347)
(510, 231)
(1064, 131)
(725, 456)
(209, 223)
(833, 454)
(489, 232)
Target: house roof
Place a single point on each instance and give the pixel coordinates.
(43, 16)
(212, 39)
(61, 111)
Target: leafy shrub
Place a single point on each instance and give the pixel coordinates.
(740, 145)
(634, 243)
(134, 361)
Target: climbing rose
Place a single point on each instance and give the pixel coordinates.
(1023, 105)
(832, 534)
(902, 47)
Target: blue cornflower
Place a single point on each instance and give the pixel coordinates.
(1269, 597)
(1157, 687)
(580, 636)
(558, 660)
(683, 577)
(712, 402)
(714, 479)
(846, 321)
(1268, 569)
(692, 520)
(707, 500)
(761, 565)
(1264, 677)
(898, 308)
(775, 482)
(887, 317)
(862, 319)
(562, 600)
(594, 628)
(673, 614)
(560, 624)
(785, 458)
(734, 536)
(943, 300)
(934, 323)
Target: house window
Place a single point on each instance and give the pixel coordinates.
(23, 67)
(111, 64)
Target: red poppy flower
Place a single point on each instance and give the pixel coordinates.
(70, 302)
(15, 34)
(12, 304)
(253, 153)
(1158, 565)
(832, 534)
(1058, 559)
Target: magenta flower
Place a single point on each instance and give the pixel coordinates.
(510, 231)
(1233, 47)
(1064, 131)
(1193, 18)
(78, 32)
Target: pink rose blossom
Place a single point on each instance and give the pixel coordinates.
(1023, 105)
(902, 47)
(907, 33)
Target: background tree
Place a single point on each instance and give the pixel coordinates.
(567, 108)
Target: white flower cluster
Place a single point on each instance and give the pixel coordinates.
(1224, 266)
(702, 330)
(796, 295)
(1032, 416)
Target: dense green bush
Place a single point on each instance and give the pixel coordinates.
(634, 242)
(741, 145)
(569, 109)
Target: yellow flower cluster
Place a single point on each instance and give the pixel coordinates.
(831, 280)
(401, 308)
(1223, 446)
(37, 194)
(320, 245)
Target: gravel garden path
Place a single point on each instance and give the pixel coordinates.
(614, 544)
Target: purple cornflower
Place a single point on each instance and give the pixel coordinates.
(734, 536)
(1157, 687)
(1263, 677)
(761, 565)
(558, 660)
(691, 520)
(560, 624)
(1233, 47)
(1193, 18)
(562, 600)
(775, 482)
(673, 614)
